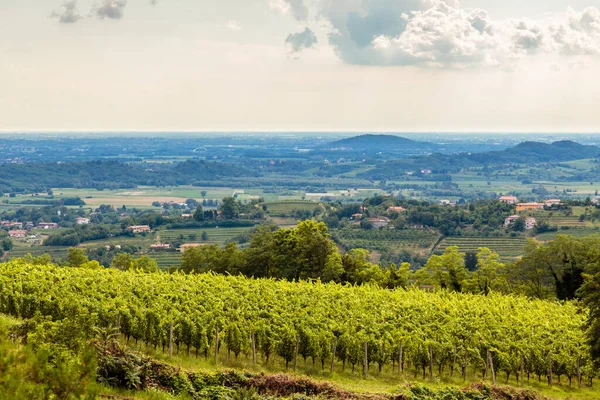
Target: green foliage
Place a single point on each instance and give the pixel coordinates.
(7, 244)
(283, 315)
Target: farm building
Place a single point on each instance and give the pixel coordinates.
(186, 246)
(17, 233)
(510, 220)
(139, 228)
(396, 209)
(379, 222)
(48, 225)
(552, 202)
(161, 247)
(82, 221)
(509, 199)
(530, 223)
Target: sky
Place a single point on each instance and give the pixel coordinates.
(300, 65)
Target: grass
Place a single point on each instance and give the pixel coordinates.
(388, 381)
(286, 208)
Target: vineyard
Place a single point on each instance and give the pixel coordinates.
(339, 327)
(385, 240)
(506, 247)
(218, 236)
(287, 208)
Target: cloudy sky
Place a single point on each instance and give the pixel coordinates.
(300, 65)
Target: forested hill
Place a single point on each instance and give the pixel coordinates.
(113, 174)
(379, 143)
(526, 153)
(532, 152)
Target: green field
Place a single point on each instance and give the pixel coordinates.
(166, 260)
(218, 236)
(286, 208)
(506, 247)
(579, 232)
(57, 253)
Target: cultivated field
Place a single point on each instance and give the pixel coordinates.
(287, 208)
(218, 236)
(506, 247)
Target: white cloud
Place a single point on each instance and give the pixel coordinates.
(233, 25)
(296, 8)
(67, 13)
(112, 9)
(439, 33)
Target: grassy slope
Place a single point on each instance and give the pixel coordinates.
(387, 382)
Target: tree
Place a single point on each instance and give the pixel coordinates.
(488, 267)
(203, 193)
(146, 264)
(519, 225)
(229, 208)
(471, 261)
(7, 244)
(192, 203)
(199, 214)
(123, 262)
(204, 236)
(76, 258)
(448, 270)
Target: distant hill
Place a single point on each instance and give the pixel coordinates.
(378, 143)
(526, 153)
(532, 152)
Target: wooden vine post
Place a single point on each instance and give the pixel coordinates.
(333, 355)
(253, 339)
(522, 370)
(365, 360)
(400, 361)
(549, 369)
(217, 345)
(431, 361)
(490, 362)
(170, 340)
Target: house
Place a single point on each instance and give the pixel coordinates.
(4, 223)
(356, 216)
(139, 229)
(17, 234)
(530, 223)
(396, 209)
(186, 246)
(552, 202)
(16, 225)
(426, 171)
(511, 219)
(379, 222)
(530, 206)
(160, 247)
(187, 215)
(509, 199)
(448, 203)
(48, 225)
(82, 221)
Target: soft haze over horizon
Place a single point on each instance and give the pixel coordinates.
(300, 65)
